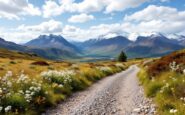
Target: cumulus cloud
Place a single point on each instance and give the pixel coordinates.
(156, 18)
(79, 34)
(52, 8)
(11, 9)
(50, 26)
(163, 19)
(24, 33)
(120, 5)
(81, 18)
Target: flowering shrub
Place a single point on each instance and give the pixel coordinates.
(180, 68)
(17, 93)
(60, 77)
(119, 65)
(106, 70)
(173, 111)
(174, 66)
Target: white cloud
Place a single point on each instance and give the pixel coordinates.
(18, 37)
(50, 26)
(162, 19)
(152, 18)
(120, 5)
(11, 9)
(78, 34)
(25, 33)
(156, 18)
(81, 18)
(52, 8)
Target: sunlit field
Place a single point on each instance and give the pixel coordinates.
(32, 84)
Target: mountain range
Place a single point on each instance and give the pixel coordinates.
(57, 47)
(51, 47)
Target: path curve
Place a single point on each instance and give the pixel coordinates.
(119, 94)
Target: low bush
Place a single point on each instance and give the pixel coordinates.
(162, 64)
(12, 62)
(41, 63)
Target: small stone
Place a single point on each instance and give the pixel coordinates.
(137, 110)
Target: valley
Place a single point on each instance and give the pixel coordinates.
(50, 75)
(56, 47)
(92, 57)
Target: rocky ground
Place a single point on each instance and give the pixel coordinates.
(119, 94)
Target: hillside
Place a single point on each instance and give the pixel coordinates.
(152, 46)
(52, 41)
(106, 47)
(11, 45)
(30, 84)
(4, 53)
(58, 48)
(45, 52)
(163, 80)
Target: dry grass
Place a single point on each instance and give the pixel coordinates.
(85, 75)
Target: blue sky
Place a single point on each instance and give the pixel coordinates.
(23, 20)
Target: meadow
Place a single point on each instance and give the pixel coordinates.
(164, 81)
(30, 84)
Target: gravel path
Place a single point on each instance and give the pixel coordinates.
(119, 94)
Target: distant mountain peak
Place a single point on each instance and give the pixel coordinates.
(112, 35)
(176, 37)
(135, 35)
(52, 41)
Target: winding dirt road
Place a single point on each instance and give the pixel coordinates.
(119, 94)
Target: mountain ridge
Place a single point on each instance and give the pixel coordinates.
(57, 47)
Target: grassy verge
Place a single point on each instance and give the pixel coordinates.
(37, 87)
(164, 81)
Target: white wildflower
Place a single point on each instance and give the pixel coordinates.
(27, 91)
(21, 91)
(60, 86)
(8, 108)
(32, 93)
(9, 84)
(119, 65)
(1, 91)
(173, 110)
(1, 108)
(104, 69)
(173, 66)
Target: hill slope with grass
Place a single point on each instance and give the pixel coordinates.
(30, 84)
(61, 48)
(164, 81)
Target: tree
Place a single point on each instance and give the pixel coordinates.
(122, 57)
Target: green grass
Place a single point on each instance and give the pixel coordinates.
(33, 94)
(166, 89)
(165, 83)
